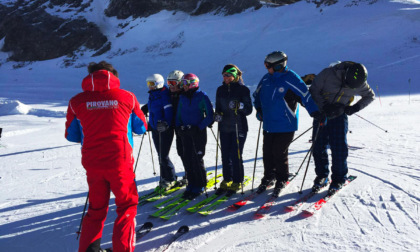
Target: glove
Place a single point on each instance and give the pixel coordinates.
(218, 117)
(308, 78)
(162, 126)
(333, 110)
(350, 110)
(320, 117)
(259, 115)
(235, 105)
(149, 128)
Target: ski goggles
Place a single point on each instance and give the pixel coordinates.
(151, 84)
(189, 82)
(227, 75)
(174, 83)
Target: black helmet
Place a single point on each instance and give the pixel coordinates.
(276, 60)
(356, 75)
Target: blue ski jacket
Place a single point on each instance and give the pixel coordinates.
(194, 109)
(160, 106)
(269, 98)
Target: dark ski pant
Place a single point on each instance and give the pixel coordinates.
(275, 155)
(194, 147)
(233, 168)
(167, 169)
(333, 134)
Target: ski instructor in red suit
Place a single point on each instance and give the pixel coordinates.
(103, 118)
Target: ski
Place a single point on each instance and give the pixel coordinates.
(300, 201)
(210, 183)
(210, 208)
(181, 231)
(263, 209)
(244, 201)
(140, 233)
(173, 211)
(143, 230)
(311, 210)
(167, 208)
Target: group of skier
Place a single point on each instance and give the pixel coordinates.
(103, 118)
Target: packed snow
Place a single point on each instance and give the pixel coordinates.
(43, 185)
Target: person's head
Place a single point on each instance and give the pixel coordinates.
(275, 61)
(231, 73)
(155, 81)
(103, 65)
(355, 75)
(174, 80)
(190, 81)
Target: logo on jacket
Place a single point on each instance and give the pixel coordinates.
(107, 104)
(281, 89)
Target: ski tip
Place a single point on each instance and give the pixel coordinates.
(148, 224)
(289, 209)
(232, 208)
(258, 216)
(307, 213)
(184, 229)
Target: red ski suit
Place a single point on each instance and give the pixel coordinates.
(103, 118)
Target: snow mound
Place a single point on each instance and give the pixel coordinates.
(13, 107)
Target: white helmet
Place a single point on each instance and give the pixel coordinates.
(175, 75)
(155, 80)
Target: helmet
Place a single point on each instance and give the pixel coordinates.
(356, 75)
(174, 78)
(191, 80)
(155, 80)
(276, 60)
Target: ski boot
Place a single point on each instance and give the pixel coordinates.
(224, 186)
(319, 183)
(264, 184)
(280, 185)
(334, 187)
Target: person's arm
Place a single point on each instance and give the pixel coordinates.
(73, 129)
(317, 87)
(138, 120)
(246, 100)
(299, 87)
(207, 109)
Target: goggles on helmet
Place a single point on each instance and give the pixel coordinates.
(174, 83)
(151, 84)
(188, 82)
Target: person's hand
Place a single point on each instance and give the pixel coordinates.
(145, 109)
(259, 115)
(217, 117)
(333, 110)
(162, 126)
(236, 105)
(320, 117)
(350, 110)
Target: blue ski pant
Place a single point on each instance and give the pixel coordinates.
(334, 135)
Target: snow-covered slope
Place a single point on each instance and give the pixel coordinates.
(43, 185)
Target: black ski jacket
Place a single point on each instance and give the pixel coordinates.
(230, 92)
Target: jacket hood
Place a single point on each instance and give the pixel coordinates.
(101, 80)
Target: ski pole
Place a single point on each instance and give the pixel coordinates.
(386, 131)
(217, 155)
(160, 162)
(83, 215)
(216, 138)
(138, 155)
(301, 134)
(151, 154)
(256, 155)
(309, 159)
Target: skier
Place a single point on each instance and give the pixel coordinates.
(160, 119)
(194, 114)
(175, 86)
(275, 102)
(103, 118)
(333, 90)
(233, 104)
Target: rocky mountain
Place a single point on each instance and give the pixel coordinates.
(45, 29)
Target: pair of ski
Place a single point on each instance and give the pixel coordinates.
(169, 210)
(314, 207)
(155, 195)
(147, 227)
(208, 205)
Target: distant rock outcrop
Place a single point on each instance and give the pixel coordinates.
(142, 8)
(32, 34)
